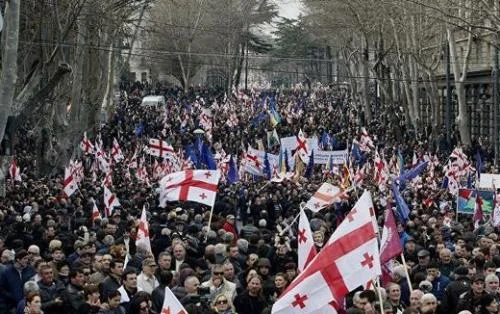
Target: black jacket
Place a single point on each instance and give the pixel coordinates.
(48, 294)
(246, 304)
(73, 298)
(452, 293)
(107, 286)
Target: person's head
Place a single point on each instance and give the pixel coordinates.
(34, 302)
(252, 259)
(7, 257)
(423, 257)
(478, 284)
(263, 266)
(231, 219)
(280, 280)
(76, 277)
(22, 259)
(233, 251)
(30, 287)
(33, 251)
(46, 274)
(116, 267)
(415, 297)
(488, 304)
(106, 262)
(445, 256)
(217, 274)
(229, 273)
(491, 283)
(254, 285)
(91, 293)
(114, 299)
(129, 279)
(165, 277)
(291, 270)
(179, 251)
(428, 303)
(366, 299)
(148, 267)
(221, 303)
(164, 260)
(394, 292)
(57, 254)
(191, 285)
(432, 270)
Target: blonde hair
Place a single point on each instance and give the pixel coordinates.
(55, 244)
(229, 302)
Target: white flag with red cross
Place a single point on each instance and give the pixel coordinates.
(350, 259)
(142, 238)
(15, 173)
(171, 304)
(110, 202)
(108, 179)
(116, 151)
(306, 248)
(86, 145)
(96, 215)
(302, 147)
(191, 185)
(69, 186)
(325, 196)
(159, 148)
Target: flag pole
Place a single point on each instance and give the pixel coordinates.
(210, 217)
(406, 272)
(380, 300)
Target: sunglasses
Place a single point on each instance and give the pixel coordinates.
(218, 273)
(222, 302)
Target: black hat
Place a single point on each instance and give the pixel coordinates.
(478, 278)
(423, 253)
(461, 271)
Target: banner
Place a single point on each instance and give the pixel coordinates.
(466, 201)
(320, 156)
(488, 180)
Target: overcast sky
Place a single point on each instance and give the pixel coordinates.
(289, 8)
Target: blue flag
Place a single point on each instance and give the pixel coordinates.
(207, 158)
(356, 152)
(139, 128)
(410, 174)
(232, 174)
(403, 210)
(267, 167)
(259, 119)
(310, 166)
(401, 162)
(191, 153)
(444, 183)
(479, 164)
(469, 181)
(198, 144)
(324, 141)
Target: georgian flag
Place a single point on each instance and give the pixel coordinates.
(306, 248)
(96, 215)
(70, 186)
(86, 145)
(142, 238)
(116, 151)
(171, 304)
(302, 147)
(325, 196)
(350, 259)
(159, 148)
(14, 171)
(191, 185)
(108, 179)
(110, 202)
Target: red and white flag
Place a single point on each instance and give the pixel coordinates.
(390, 244)
(302, 147)
(15, 173)
(159, 148)
(108, 179)
(350, 259)
(70, 185)
(116, 151)
(96, 215)
(110, 202)
(171, 304)
(86, 145)
(325, 196)
(132, 162)
(306, 248)
(366, 142)
(381, 174)
(191, 185)
(142, 238)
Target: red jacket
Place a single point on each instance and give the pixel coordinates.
(230, 228)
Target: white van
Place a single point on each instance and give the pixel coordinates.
(153, 101)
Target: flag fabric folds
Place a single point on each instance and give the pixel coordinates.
(306, 248)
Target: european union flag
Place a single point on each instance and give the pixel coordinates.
(232, 174)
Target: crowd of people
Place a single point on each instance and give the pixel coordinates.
(55, 258)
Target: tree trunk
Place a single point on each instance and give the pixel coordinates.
(462, 119)
(9, 62)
